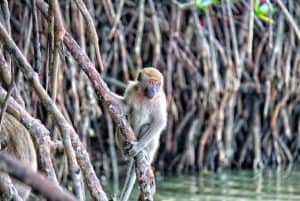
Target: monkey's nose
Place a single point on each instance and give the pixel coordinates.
(150, 91)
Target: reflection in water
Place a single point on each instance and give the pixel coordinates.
(266, 185)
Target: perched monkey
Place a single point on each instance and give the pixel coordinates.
(146, 106)
(16, 141)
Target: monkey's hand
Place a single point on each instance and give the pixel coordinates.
(131, 149)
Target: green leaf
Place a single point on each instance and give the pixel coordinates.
(203, 5)
(266, 19)
(257, 3)
(262, 10)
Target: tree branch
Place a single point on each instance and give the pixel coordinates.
(66, 129)
(37, 181)
(144, 171)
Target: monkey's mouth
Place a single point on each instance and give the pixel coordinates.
(150, 92)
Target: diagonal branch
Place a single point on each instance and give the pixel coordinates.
(289, 18)
(70, 136)
(144, 172)
(37, 181)
(91, 30)
(37, 130)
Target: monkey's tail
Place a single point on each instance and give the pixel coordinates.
(129, 182)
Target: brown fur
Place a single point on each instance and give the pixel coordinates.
(16, 141)
(153, 73)
(141, 110)
(146, 109)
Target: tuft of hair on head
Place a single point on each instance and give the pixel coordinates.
(153, 73)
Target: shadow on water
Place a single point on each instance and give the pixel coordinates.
(266, 185)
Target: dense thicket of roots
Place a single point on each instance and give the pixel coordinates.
(232, 88)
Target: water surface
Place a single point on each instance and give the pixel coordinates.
(266, 185)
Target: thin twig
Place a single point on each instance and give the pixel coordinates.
(92, 31)
(9, 93)
(289, 18)
(36, 39)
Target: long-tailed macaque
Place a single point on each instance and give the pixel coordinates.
(16, 141)
(146, 106)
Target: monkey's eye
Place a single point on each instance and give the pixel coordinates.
(154, 82)
(139, 77)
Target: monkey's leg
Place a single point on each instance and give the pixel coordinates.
(151, 131)
(129, 182)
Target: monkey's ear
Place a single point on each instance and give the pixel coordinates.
(139, 77)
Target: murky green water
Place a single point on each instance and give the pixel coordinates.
(266, 185)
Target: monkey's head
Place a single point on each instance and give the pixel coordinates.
(151, 82)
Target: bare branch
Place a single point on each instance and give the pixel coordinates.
(37, 181)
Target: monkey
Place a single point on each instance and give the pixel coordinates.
(16, 141)
(146, 109)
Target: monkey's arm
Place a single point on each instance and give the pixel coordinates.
(152, 131)
(131, 175)
(120, 98)
(146, 133)
(122, 102)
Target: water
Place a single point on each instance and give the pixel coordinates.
(266, 185)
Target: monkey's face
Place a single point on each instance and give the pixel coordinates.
(151, 89)
(150, 85)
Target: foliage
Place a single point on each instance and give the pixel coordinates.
(203, 5)
(263, 8)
